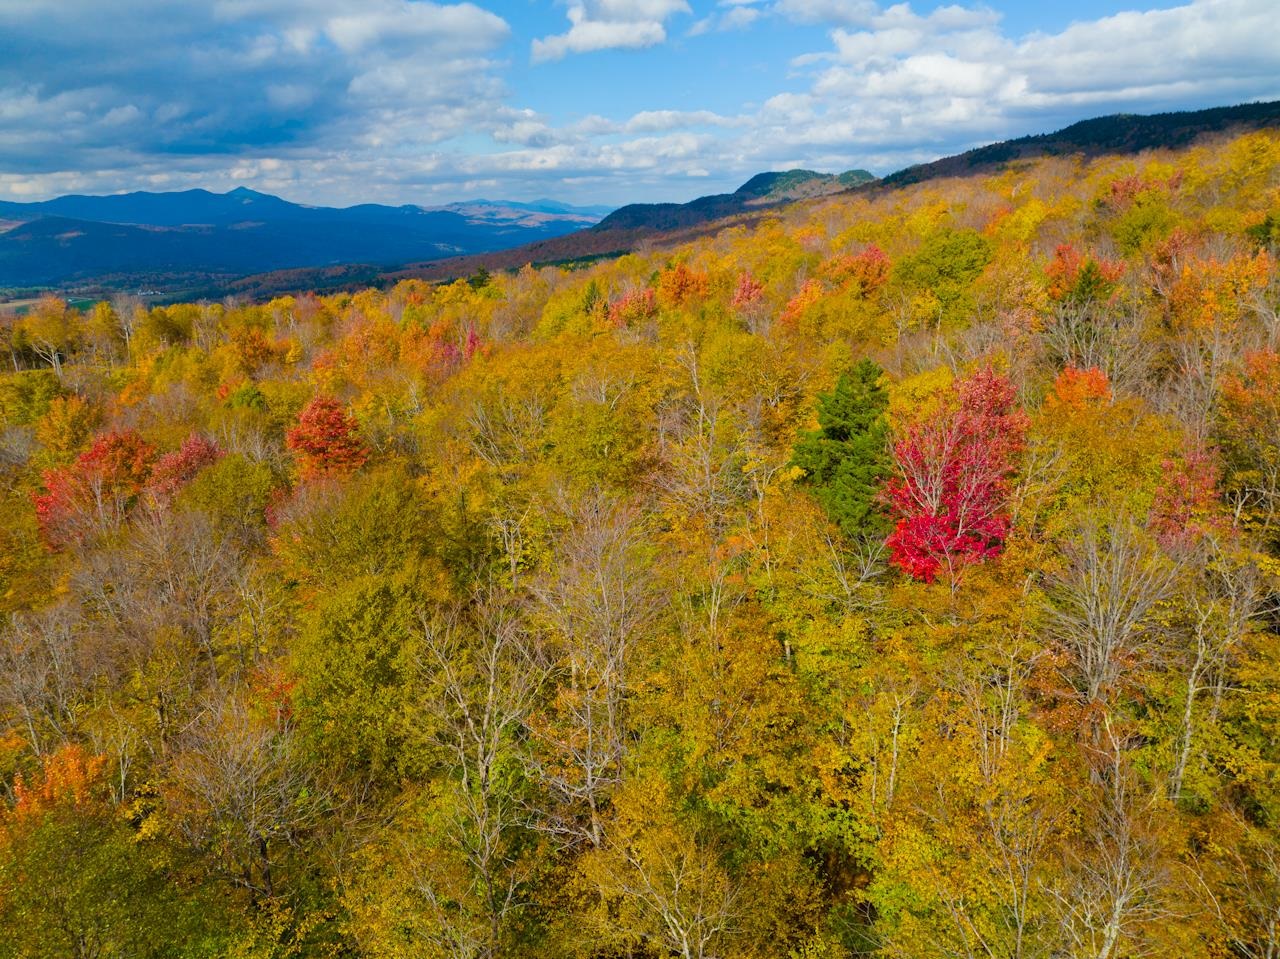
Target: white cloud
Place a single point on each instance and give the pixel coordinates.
(286, 96)
(954, 74)
(157, 84)
(465, 27)
(121, 116)
(609, 24)
(405, 100)
(654, 121)
(895, 86)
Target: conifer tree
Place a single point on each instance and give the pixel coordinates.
(846, 459)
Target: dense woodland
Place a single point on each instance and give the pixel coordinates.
(896, 577)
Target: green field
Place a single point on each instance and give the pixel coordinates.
(21, 307)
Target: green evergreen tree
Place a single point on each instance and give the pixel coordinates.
(847, 459)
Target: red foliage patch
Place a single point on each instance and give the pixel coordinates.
(953, 467)
(863, 274)
(1126, 190)
(747, 292)
(1185, 506)
(633, 307)
(96, 489)
(809, 294)
(326, 440)
(174, 470)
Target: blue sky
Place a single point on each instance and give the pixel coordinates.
(590, 101)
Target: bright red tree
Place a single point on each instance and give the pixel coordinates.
(326, 440)
(951, 491)
(96, 489)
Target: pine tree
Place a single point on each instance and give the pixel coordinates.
(846, 459)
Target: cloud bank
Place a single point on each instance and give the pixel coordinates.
(411, 101)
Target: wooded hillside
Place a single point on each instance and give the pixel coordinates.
(897, 577)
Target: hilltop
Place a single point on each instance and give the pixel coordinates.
(761, 190)
(1119, 133)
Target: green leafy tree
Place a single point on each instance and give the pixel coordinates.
(77, 885)
(946, 265)
(356, 662)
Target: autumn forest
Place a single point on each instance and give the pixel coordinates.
(895, 574)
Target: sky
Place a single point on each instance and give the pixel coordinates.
(585, 101)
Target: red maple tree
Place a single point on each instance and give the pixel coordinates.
(953, 467)
(96, 489)
(1185, 509)
(326, 440)
(747, 292)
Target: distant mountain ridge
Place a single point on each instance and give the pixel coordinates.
(537, 206)
(195, 207)
(243, 231)
(674, 223)
(761, 189)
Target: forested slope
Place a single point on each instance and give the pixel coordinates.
(897, 577)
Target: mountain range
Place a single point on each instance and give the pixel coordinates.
(197, 243)
(198, 240)
(161, 237)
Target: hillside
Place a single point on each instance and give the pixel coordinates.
(1121, 133)
(894, 575)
